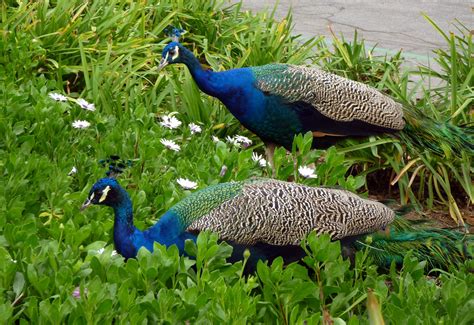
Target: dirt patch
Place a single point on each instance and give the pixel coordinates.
(379, 186)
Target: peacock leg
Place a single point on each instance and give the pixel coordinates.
(269, 151)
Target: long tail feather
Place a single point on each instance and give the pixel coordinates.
(442, 138)
(439, 247)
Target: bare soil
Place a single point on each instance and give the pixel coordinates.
(381, 190)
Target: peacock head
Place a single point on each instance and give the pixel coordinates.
(106, 191)
(172, 53)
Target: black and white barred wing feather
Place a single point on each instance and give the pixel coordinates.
(281, 213)
(335, 97)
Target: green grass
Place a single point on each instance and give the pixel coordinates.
(107, 52)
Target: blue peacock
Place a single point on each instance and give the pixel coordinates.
(279, 101)
(270, 218)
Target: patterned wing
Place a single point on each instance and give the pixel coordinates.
(333, 96)
(281, 213)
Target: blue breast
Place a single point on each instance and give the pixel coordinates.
(266, 115)
(167, 231)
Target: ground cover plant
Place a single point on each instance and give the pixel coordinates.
(57, 264)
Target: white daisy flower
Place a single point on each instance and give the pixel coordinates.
(239, 141)
(102, 250)
(307, 172)
(85, 104)
(57, 97)
(186, 183)
(170, 144)
(80, 124)
(232, 141)
(246, 142)
(170, 122)
(194, 128)
(73, 171)
(259, 159)
(215, 139)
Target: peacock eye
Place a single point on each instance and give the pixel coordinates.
(172, 52)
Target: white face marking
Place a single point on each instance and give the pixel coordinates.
(166, 57)
(104, 193)
(176, 53)
(91, 197)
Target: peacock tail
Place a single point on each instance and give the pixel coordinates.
(441, 248)
(443, 138)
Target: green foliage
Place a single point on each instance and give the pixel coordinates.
(354, 61)
(56, 264)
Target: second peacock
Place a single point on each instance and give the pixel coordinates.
(270, 218)
(278, 101)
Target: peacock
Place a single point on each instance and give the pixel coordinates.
(279, 101)
(269, 218)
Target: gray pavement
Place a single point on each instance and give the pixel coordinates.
(392, 25)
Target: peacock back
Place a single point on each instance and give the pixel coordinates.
(279, 213)
(335, 97)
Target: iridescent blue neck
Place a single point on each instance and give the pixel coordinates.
(128, 239)
(206, 80)
(124, 229)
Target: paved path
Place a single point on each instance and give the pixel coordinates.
(392, 25)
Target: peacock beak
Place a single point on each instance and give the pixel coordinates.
(163, 63)
(86, 204)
